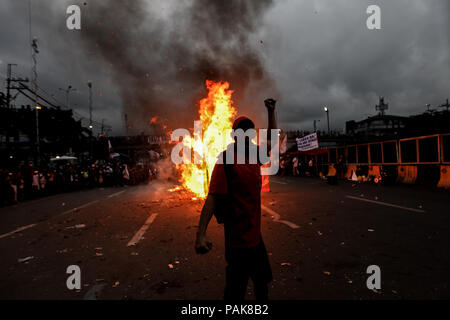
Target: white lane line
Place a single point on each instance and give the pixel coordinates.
(94, 292)
(116, 194)
(138, 236)
(386, 204)
(279, 182)
(276, 218)
(80, 207)
(65, 212)
(17, 230)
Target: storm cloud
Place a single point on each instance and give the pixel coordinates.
(151, 58)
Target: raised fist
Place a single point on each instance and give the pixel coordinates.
(270, 103)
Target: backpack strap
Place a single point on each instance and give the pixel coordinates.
(228, 168)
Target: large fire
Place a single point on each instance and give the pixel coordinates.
(216, 113)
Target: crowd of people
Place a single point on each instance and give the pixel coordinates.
(293, 166)
(29, 182)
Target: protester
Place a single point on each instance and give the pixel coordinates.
(236, 190)
(295, 166)
(28, 182)
(282, 167)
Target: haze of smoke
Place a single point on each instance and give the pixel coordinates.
(160, 65)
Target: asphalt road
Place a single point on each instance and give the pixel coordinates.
(137, 243)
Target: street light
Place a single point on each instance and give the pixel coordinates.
(328, 118)
(67, 91)
(90, 102)
(89, 84)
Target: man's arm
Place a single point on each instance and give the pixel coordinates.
(270, 105)
(272, 123)
(202, 243)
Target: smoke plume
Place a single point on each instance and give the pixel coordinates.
(160, 56)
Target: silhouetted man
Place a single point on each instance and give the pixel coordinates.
(237, 189)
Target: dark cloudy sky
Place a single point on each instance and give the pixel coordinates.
(150, 58)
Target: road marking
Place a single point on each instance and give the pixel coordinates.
(387, 204)
(65, 212)
(94, 292)
(279, 182)
(276, 218)
(138, 236)
(80, 207)
(116, 194)
(17, 230)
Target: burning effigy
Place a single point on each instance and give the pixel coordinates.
(216, 112)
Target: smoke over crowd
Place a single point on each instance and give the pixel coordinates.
(160, 64)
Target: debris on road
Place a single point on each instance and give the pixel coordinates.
(77, 226)
(25, 259)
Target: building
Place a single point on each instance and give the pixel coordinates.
(381, 125)
(384, 127)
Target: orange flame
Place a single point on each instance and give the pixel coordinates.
(154, 119)
(216, 113)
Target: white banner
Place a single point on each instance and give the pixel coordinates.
(308, 142)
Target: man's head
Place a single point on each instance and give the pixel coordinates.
(243, 123)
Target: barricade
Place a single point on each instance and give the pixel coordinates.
(407, 174)
(444, 181)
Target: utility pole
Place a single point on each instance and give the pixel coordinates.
(126, 123)
(67, 91)
(35, 51)
(315, 126)
(8, 84)
(9, 81)
(445, 105)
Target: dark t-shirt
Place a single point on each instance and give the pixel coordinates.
(243, 223)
